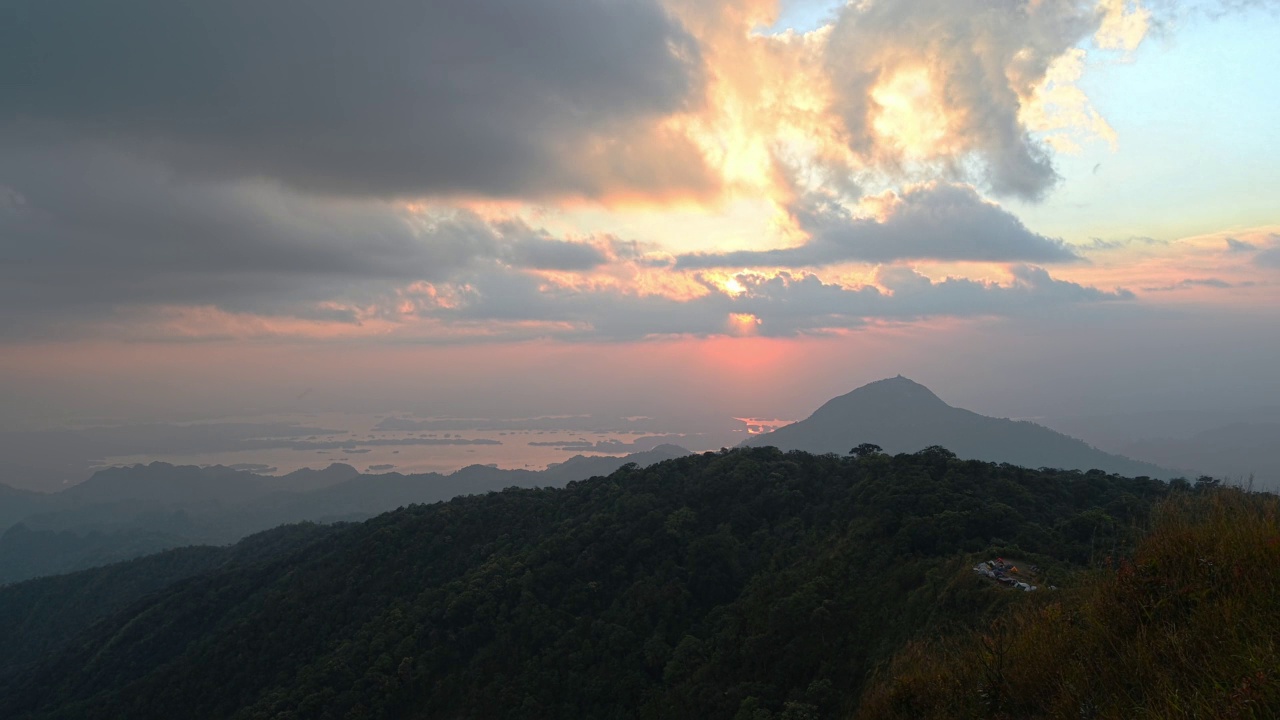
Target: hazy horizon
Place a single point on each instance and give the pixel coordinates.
(57, 457)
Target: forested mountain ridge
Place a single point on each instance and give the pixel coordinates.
(752, 583)
(43, 615)
(126, 512)
(16, 504)
(901, 415)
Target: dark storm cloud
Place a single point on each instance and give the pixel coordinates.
(83, 232)
(537, 250)
(939, 222)
(382, 97)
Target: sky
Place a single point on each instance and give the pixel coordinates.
(688, 209)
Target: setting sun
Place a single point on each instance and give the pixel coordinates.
(743, 324)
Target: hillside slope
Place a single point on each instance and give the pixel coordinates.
(1186, 628)
(49, 612)
(900, 416)
(752, 581)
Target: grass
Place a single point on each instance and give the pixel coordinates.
(1189, 627)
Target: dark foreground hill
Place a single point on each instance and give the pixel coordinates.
(901, 416)
(746, 584)
(42, 616)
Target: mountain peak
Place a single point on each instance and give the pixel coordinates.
(897, 383)
(895, 395)
(901, 415)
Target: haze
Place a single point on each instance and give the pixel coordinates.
(686, 212)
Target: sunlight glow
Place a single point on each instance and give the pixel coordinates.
(759, 426)
(743, 324)
(908, 114)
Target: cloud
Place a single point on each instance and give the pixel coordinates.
(91, 237)
(1234, 245)
(780, 305)
(1270, 257)
(934, 221)
(1189, 283)
(1103, 245)
(377, 98)
(1031, 289)
(942, 80)
(85, 232)
(538, 250)
(1179, 12)
(1124, 24)
(243, 169)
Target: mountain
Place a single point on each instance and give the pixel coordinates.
(306, 479)
(159, 495)
(54, 610)
(16, 504)
(367, 495)
(122, 513)
(581, 467)
(26, 553)
(162, 485)
(743, 584)
(901, 416)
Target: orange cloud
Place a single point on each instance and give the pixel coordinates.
(767, 97)
(1059, 110)
(1216, 268)
(1124, 24)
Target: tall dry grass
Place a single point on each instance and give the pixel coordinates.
(1187, 628)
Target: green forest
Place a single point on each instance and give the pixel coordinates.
(747, 584)
(1185, 627)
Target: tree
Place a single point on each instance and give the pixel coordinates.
(866, 450)
(1207, 482)
(936, 452)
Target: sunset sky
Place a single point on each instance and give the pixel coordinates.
(734, 208)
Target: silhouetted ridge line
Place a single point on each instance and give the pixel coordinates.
(901, 415)
(121, 513)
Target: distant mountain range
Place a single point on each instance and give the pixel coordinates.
(903, 416)
(122, 513)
